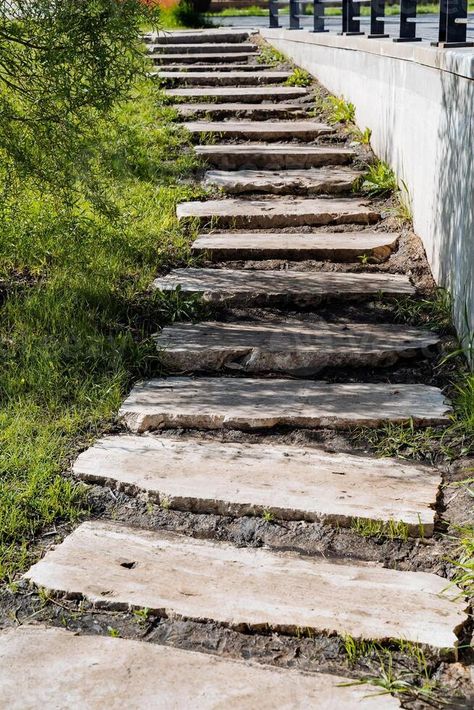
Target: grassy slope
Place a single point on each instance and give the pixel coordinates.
(76, 317)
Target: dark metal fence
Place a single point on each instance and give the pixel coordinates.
(452, 24)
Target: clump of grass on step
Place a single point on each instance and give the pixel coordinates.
(339, 110)
(379, 180)
(434, 311)
(390, 529)
(464, 561)
(269, 55)
(299, 77)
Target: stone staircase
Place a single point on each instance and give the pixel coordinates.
(253, 370)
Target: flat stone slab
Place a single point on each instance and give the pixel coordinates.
(217, 36)
(215, 58)
(291, 483)
(267, 213)
(187, 578)
(261, 130)
(225, 78)
(241, 94)
(59, 670)
(190, 68)
(291, 347)
(299, 287)
(334, 246)
(219, 110)
(251, 403)
(204, 48)
(314, 181)
(262, 156)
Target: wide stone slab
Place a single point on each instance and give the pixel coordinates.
(251, 403)
(334, 246)
(217, 36)
(267, 213)
(314, 181)
(292, 347)
(60, 670)
(242, 94)
(218, 110)
(261, 130)
(204, 48)
(263, 156)
(218, 78)
(182, 577)
(297, 287)
(291, 483)
(189, 59)
(190, 68)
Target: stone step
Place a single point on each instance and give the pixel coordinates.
(289, 482)
(93, 672)
(187, 37)
(323, 246)
(268, 213)
(252, 403)
(204, 48)
(279, 156)
(180, 577)
(297, 348)
(218, 111)
(242, 94)
(221, 68)
(261, 130)
(221, 78)
(312, 181)
(261, 287)
(230, 58)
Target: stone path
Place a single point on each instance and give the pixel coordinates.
(259, 590)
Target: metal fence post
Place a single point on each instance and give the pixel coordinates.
(408, 22)
(273, 13)
(377, 26)
(295, 15)
(318, 17)
(452, 24)
(350, 26)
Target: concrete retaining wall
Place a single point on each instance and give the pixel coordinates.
(419, 103)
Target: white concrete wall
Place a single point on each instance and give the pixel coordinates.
(419, 103)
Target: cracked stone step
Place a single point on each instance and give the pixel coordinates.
(254, 286)
(223, 78)
(242, 94)
(297, 347)
(190, 59)
(264, 213)
(116, 567)
(261, 130)
(262, 110)
(204, 48)
(276, 156)
(252, 403)
(96, 672)
(217, 37)
(313, 181)
(323, 246)
(291, 483)
(182, 68)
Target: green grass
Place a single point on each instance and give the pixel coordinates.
(299, 77)
(390, 10)
(379, 180)
(339, 110)
(77, 315)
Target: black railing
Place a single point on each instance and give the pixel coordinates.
(452, 23)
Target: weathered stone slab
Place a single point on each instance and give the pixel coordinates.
(215, 58)
(242, 94)
(334, 246)
(190, 68)
(261, 130)
(262, 156)
(291, 347)
(182, 577)
(218, 78)
(245, 403)
(218, 110)
(291, 483)
(60, 670)
(298, 287)
(267, 213)
(203, 48)
(313, 181)
(216, 36)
